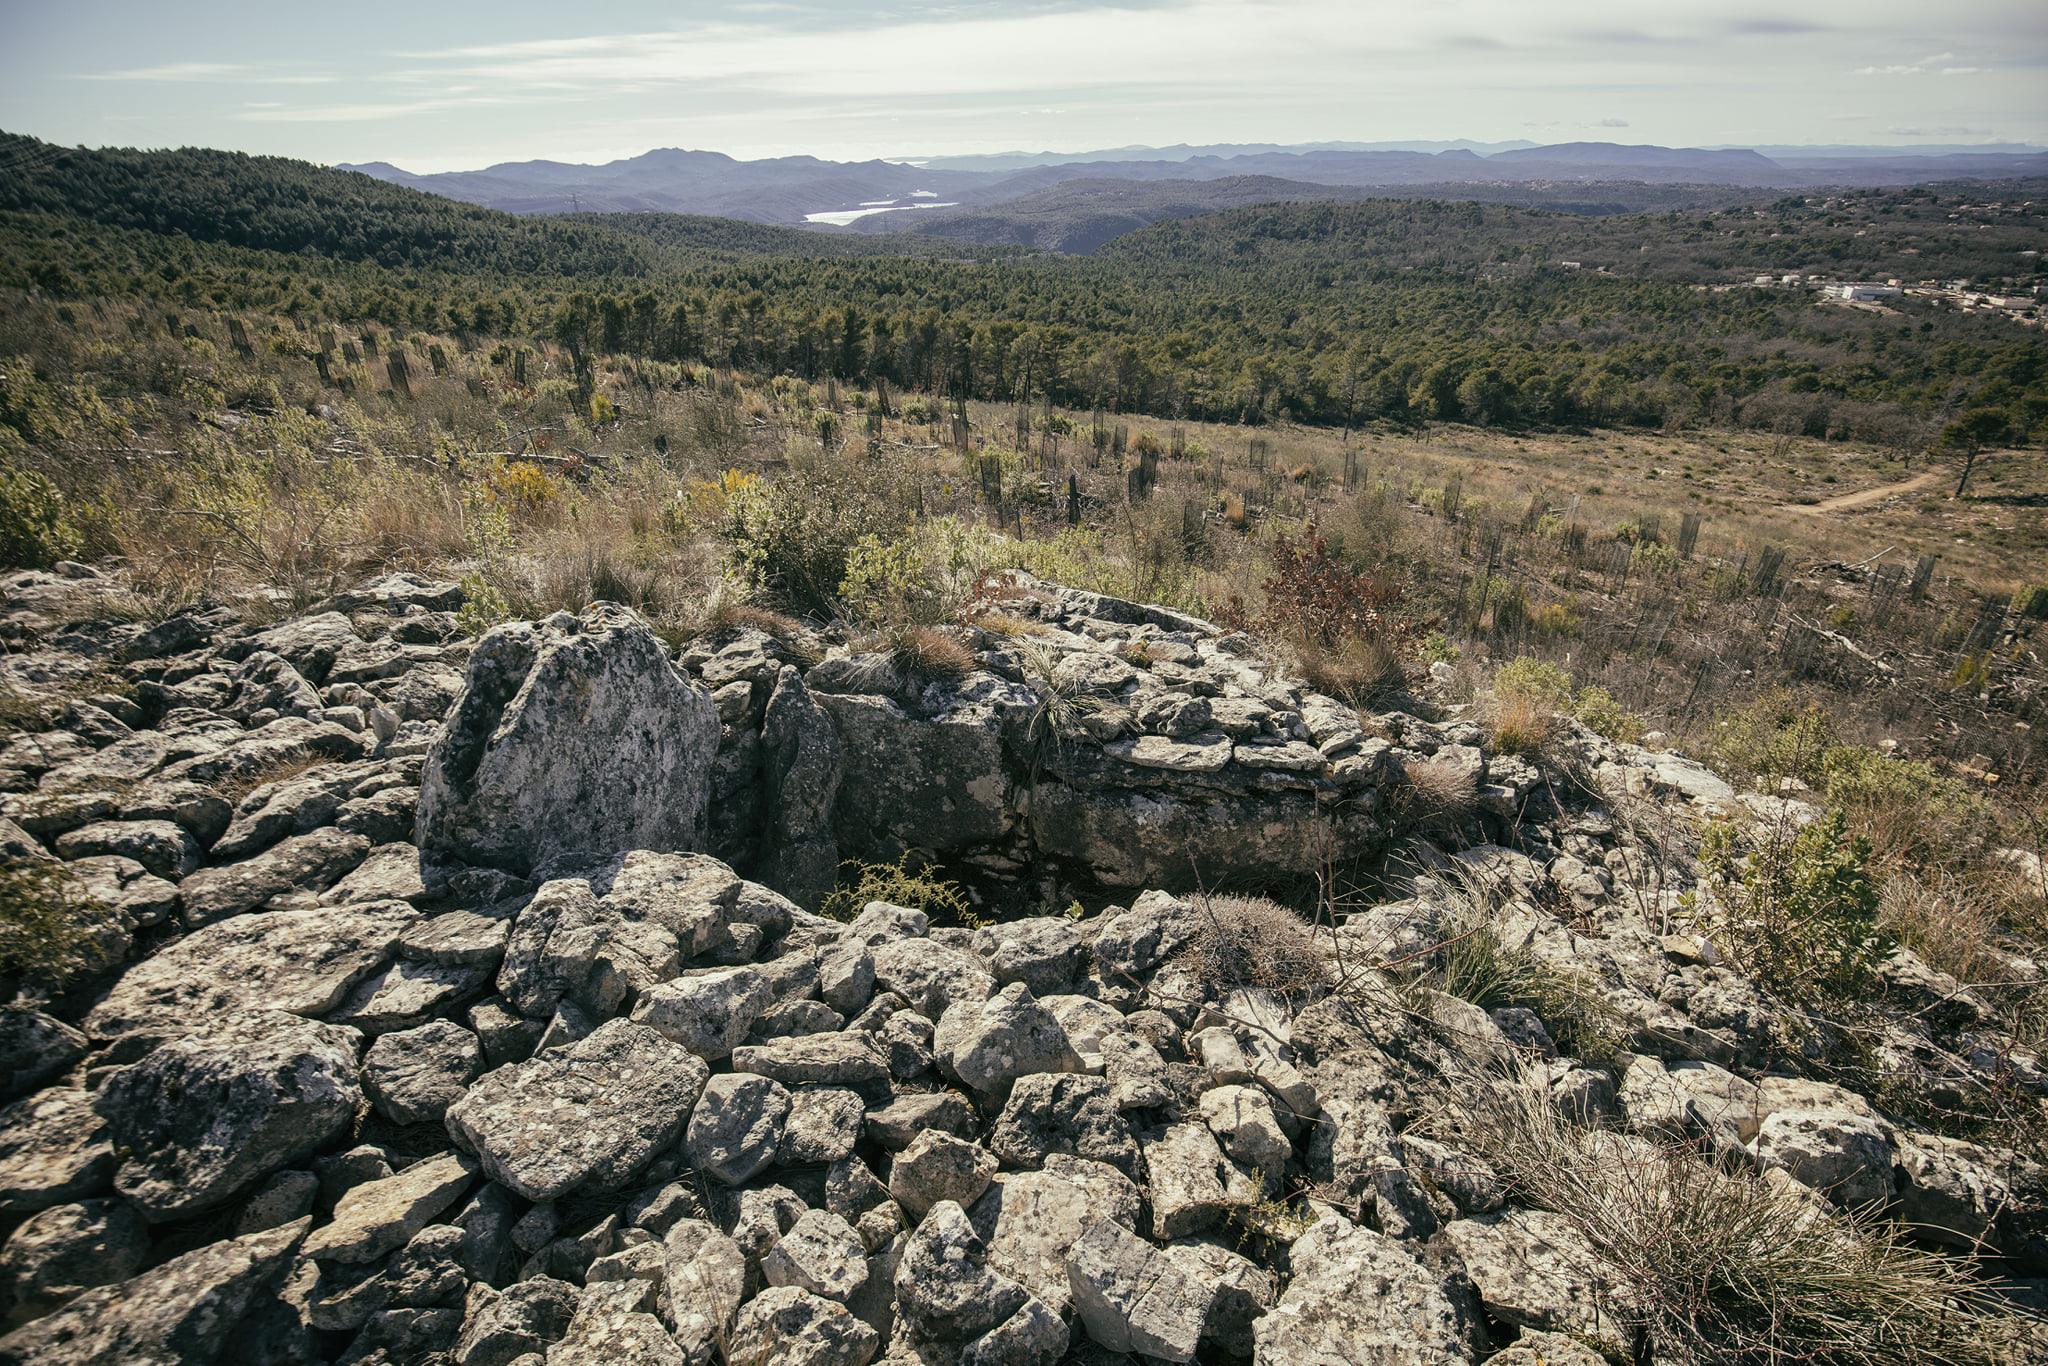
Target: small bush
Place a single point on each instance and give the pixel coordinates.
(1796, 908)
(896, 884)
(1601, 714)
(50, 930)
(35, 529)
(1252, 941)
(1912, 814)
(1433, 795)
(792, 540)
(1313, 598)
(1775, 736)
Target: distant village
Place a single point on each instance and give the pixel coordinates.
(2023, 307)
(2022, 303)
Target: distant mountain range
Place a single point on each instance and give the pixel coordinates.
(1072, 202)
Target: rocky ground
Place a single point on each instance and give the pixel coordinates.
(467, 1001)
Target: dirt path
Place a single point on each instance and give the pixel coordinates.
(1849, 501)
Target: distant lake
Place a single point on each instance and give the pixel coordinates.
(839, 218)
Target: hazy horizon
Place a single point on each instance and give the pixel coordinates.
(460, 87)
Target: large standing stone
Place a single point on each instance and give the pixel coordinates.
(206, 1116)
(574, 738)
(594, 1112)
(182, 1311)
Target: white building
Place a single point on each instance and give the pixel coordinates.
(1866, 293)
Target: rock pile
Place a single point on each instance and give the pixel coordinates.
(466, 1007)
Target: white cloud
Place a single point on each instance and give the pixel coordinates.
(210, 73)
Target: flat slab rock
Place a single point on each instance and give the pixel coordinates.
(182, 1311)
(592, 1113)
(206, 1116)
(304, 962)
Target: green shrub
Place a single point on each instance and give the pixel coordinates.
(1798, 909)
(792, 540)
(895, 883)
(1911, 813)
(50, 930)
(2030, 600)
(1775, 736)
(1536, 681)
(919, 578)
(35, 528)
(1601, 714)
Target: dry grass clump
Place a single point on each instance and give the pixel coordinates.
(1722, 1265)
(1358, 670)
(50, 929)
(1521, 715)
(1433, 795)
(1475, 964)
(922, 655)
(1254, 941)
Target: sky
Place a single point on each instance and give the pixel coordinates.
(435, 85)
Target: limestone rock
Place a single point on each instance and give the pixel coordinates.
(1193, 1184)
(592, 1113)
(573, 738)
(34, 1047)
(305, 962)
(499, 1328)
(787, 1326)
(1058, 1112)
(707, 1012)
(66, 1250)
(182, 1311)
(208, 1115)
(1133, 1297)
(1358, 1297)
(818, 1253)
(1030, 1219)
(935, 1167)
(378, 1217)
(988, 1045)
(54, 1148)
(736, 1127)
(1535, 1269)
(312, 862)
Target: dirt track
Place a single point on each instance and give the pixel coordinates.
(1847, 501)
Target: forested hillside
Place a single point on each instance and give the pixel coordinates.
(1339, 313)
